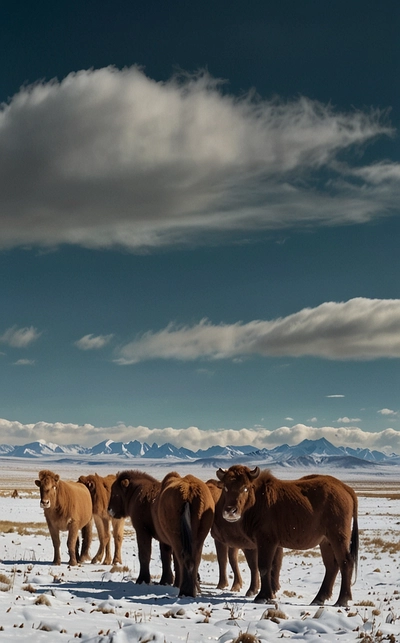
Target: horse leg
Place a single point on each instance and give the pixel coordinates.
(55, 537)
(118, 535)
(346, 566)
(86, 542)
(251, 558)
(276, 569)
(144, 553)
(178, 573)
(72, 543)
(265, 554)
(222, 558)
(237, 577)
(331, 570)
(101, 535)
(194, 569)
(167, 577)
(107, 541)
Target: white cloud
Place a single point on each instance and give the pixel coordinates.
(333, 396)
(346, 420)
(92, 342)
(388, 412)
(357, 329)
(19, 337)
(113, 158)
(195, 438)
(24, 362)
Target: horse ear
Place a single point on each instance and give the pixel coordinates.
(220, 473)
(254, 473)
(125, 482)
(37, 483)
(56, 477)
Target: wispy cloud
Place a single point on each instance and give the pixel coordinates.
(334, 396)
(113, 158)
(92, 342)
(20, 337)
(357, 329)
(24, 362)
(194, 438)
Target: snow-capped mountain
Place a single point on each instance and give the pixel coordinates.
(307, 453)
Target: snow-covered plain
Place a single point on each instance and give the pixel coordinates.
(96, 604)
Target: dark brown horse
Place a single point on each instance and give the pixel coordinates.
(297, 514)
(135, 494)
(229, 539)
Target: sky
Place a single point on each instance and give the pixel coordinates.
(199, 222)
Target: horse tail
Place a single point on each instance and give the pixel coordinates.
(187, 536)
(354, 542)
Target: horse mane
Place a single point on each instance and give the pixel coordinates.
(266, 476)
(134, 475)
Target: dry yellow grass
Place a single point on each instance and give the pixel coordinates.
(379, 544)
(23, 528)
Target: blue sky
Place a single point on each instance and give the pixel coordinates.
(199, 222)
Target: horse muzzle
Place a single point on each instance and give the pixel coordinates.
(231, 514)
(45, 504)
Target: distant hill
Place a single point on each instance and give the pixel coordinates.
(307, 453)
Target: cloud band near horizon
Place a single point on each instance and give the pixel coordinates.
(357, 329)
(194, 438)
(112, 158)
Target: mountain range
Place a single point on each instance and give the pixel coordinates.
(306, 453)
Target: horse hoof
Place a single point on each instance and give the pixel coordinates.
(261, 600)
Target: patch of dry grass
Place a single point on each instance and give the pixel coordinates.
(7, 493)
(119, 569)
(42, 600)
(245, 637)
(5, 583)
(23, 528)
(306, 553)
(380, 545)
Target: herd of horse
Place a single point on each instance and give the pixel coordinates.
(243, 509)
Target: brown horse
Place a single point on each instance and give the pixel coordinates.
(134, 494)
(229, 538)
(297, 514)
(185, 512)
(67, 507)
(100, 489)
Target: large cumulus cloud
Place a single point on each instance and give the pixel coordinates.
(113, 158)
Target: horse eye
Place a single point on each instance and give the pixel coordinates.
(225, 488)
(245, 489)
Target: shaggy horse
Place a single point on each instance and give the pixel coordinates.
(297, 514)
(134, 495)
(67, 507)
(229, 538)
(100, 491)
(185, 513)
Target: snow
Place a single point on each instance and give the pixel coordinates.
(99, 604)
